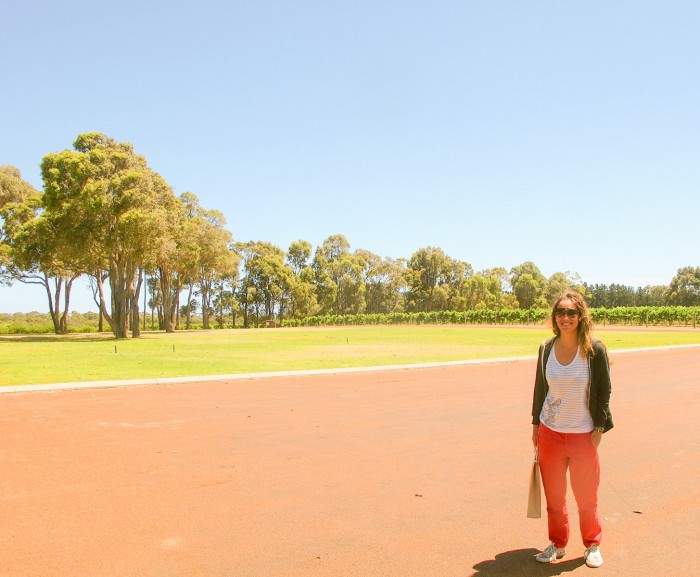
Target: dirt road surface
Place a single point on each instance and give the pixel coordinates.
(409, 473)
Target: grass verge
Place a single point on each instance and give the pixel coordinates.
(47, 359)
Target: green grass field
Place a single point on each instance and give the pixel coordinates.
(73, 358)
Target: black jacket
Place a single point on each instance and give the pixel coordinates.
(599, 386)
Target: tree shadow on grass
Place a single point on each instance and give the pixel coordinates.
(521, 562)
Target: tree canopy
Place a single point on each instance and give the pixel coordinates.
(106, 215)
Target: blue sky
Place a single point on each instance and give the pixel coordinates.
(559, 132)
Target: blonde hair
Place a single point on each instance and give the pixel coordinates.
(585, 323)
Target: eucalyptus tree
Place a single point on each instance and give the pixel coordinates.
(498, 287)
(155, 302)
(326, 287)
(224, 304)
(653, 296)
(528, 284)
(265, 271)
(458, 273)
(13, 188)
(384, 281)
(19, 202)
(173, 260)
(434, 280)
(684, 288)
(298, 256)
(477, 292)
(189, 254)
(41, 257)
(530, 268)
(215, 257)
(247, 293)
(302, 299)
(350, 292)
(335, 247)
(560, 282)
(339, 277)
(118, 207)
(622, 295)
(527, 290)
(425, 273)
(35, 245)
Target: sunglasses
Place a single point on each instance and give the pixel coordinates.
(571, 313)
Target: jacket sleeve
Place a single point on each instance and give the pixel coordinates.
(601, 388)
(539, 392)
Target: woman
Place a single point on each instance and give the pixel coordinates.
(570, 413)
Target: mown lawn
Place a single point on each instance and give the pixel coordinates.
(74, 358)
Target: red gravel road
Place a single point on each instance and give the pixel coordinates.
(394, 474)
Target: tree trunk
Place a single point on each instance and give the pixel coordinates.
(166, 282)
(245, 315)
(206, 297)
(59, 315)
(121, 280)
(119, 312)
(189, 307)
(66, 305)
(145, 284)
(103, 305)
(135, 317)
(97, 292)
(53, 306)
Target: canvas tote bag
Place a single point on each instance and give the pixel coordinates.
(534, 494)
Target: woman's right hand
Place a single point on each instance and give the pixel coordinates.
(535, 434)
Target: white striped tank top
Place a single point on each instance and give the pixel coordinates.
(565, 409)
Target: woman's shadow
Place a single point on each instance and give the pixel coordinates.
(521, 562)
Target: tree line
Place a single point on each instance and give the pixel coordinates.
(106, 215)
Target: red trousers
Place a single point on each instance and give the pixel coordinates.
(575, 452)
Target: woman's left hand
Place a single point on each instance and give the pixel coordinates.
(596, 437)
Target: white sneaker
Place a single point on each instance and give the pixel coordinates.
(551, 553)
(593, 557)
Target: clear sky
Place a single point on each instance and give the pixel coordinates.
(502, 131)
